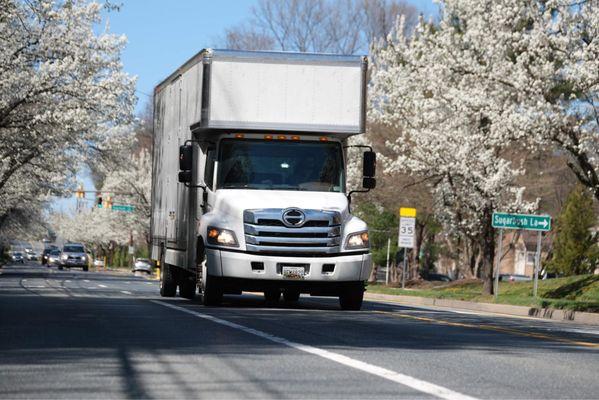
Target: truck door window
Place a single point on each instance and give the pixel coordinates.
(209, 170)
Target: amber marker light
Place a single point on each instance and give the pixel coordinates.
(324, 139)
(239, 136)
(268, 137)
(282, 137)
(295, 138)
(213, 233)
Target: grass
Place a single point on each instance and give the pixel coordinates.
(577, 293)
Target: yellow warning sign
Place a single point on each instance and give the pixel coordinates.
(407, 212)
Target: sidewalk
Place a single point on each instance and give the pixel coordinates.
(521, 311)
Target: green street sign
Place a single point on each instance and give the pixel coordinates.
(521, 221)
(123, 207)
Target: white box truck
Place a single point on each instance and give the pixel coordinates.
(248, 181)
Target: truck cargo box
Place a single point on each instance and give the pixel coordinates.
(227, 89)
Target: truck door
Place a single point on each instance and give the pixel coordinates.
(209, 181)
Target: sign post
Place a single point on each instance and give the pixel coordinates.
(539, 223)
(407, 230)
(387, 269)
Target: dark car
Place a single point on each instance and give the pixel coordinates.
(437, 278)
(46, 253)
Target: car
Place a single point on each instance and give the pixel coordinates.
(514, 278)
(31, 255)
(46, 253)
(17, 257)
(73, 255)
(142, 265)
(54, 258)
(438, 278)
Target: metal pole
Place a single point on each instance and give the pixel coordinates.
(387, 270)
(403, 270)
(537, 264)
(498, 264)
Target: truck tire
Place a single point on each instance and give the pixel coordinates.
(272, 295)
(351, 299)
(168, 284)
(212, 295)
(291, 295)
(187, 287)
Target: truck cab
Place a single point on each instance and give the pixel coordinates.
(260, 201)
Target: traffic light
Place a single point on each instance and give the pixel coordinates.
(108, 202)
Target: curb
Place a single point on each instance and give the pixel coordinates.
(520, 311)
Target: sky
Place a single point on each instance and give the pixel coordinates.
(163, 34)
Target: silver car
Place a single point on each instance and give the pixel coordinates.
(73, 255)
(17, 257)
(142, 265)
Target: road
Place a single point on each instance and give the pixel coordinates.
(71, 334)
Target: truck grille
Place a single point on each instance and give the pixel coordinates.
(292, 231)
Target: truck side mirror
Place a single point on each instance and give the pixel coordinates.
(369, 164)
(185, 176)
(368, 182)
(186, 157)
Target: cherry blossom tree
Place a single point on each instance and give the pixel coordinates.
(60, 84)
(447, 137)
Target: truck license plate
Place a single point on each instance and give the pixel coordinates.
(293, 272)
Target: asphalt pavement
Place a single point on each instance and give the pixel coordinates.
(74, 334)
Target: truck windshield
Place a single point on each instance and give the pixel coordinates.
(277, 165)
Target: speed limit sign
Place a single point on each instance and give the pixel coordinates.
(407, 227)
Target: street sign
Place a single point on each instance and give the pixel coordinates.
(123, 207)
(407, 227)
(521, 221)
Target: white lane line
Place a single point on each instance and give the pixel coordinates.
(103, 286)
(406, 380)
(86, 280)
(126, 292)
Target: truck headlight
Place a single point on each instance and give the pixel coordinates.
(222, 237)
(357, 240)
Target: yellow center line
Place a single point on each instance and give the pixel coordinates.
(492, 328)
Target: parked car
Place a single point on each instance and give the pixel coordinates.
(54, 258)
(73, 255)
(142, 265)
(514, 278)
(99, 263)
(437, 278)
(17, 257)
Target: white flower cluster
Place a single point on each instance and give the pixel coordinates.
(494, 77)
(61, 84)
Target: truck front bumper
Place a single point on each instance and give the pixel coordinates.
(342, 268)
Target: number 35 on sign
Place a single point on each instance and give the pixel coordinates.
(407, 227)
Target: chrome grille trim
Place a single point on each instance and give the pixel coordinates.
(265, 232)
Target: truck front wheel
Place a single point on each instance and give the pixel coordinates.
(212, 294)
(168, 284)
(351, 299)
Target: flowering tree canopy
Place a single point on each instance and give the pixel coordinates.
(59, 83)
(492, 76)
